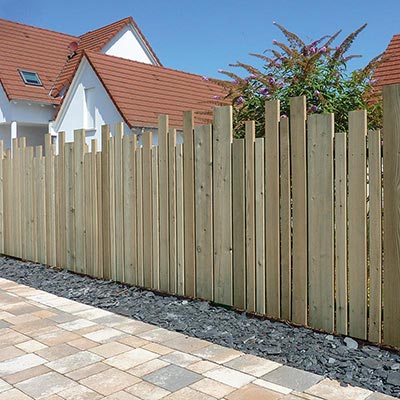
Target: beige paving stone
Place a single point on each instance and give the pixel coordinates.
(158, 348)
(180, 358)
(159, 335)
(21, 319)
(217, 353)
(331, 390)
(74, 361)
(253, 392)
(85, 372)
(147, 367)
(112, 349)
(272, 386)
(31, 346)
(202, 366)
(109, 381)
(112, 320)
(4, 386)
(4, 314)
(148, 391)
(134, 341)
(380, 396)
(89, 329)
(44, 314)
(57, 337)
(74, 307)
(186, 344)
(10, 352)
(45, 385)
(20, 363)
(11, 337)
(56, 352)
(188, 393)
(35, 328)
(92, 313)
(229, 377)
(252, 365)
(27, 374)
(121, 396)
(104, 335)
(135, 327)
(76, 324)
(14, 394)
(130, 359)
(302, 396)
(80, 392)
(83, 344)
(52, 397)
(212, 388)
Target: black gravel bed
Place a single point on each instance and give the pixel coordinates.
(339, 358)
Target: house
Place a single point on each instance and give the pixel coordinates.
(52, 82)
(388, 71)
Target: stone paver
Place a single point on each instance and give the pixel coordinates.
(57, 349)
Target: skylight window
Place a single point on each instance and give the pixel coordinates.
(30, 78)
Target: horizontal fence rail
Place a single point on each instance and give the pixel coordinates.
(288, 225)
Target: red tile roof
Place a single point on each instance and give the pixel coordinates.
(45, 52)
(33, 49)
(388, 72)
(141, 92)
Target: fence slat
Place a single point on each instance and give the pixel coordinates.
(203, 199)
(105, 183)
(113, 256)
(172, 210)
(129, 159)
(188, 176)
(375, 236)
(222, 204)
(156, 219)
(119, 204)
(260, 233)
(357, 214)
(40, 209)
(100, 243)
(1, 198)
(88, 206)
(298, 161)
(147, 211)
(60, 181)
(164, 204)
(320, 221)
(80, 234)
(139, 214)
(272, 248)
(94, 208)
(341, 232)
(180, 260)
(239, 225)
(285, 221)
(391, 178)
(70, 206)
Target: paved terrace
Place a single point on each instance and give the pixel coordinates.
(53, 348)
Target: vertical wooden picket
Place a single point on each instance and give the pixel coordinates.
(204, 211)
(375, 236)
(30, 205)
(113, 256)
(40, 206)
(128, 154)
(119, 205)
(239, 226)
(341, 232)
(357, 234)
(70, 206)
(155, 218)
(180, 261)
(298, 161)
(285, 221)
(391, 177)
(253, 300)
(272, 239)
(222, 204)
(147, 211)
(50, 202)
(60, 182)
(100, 243)
(320, 221)
(1, 198)
(94, 208)
(188, 191)
(87, 209)
(164, 201)
(139, 214)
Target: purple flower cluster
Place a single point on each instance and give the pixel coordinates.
(313, 108)
(240, 100)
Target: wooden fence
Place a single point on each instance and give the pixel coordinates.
(288, 225)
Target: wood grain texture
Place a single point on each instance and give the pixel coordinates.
(320, 221)
(156, 219)
(391, 187)
(180, 233)
(298, 140)
(357, 214)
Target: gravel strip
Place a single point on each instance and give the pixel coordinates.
(342, 359)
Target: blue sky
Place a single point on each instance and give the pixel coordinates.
(203, 36)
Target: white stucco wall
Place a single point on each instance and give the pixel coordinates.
(72, 113)
(5, 135)
(128, 44)
(34, 134)
(4, 106)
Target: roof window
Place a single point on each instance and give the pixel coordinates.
(30, 78)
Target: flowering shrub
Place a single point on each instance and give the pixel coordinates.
(317, 70)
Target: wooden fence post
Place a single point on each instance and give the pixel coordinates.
(391, 179)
